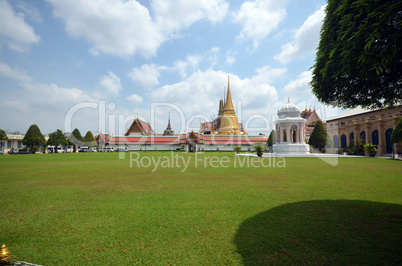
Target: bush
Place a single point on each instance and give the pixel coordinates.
(370, 148)
(237, 148)
(34, 149)
(43, 149)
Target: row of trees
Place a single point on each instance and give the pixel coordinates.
(34, 138)
(320, 138)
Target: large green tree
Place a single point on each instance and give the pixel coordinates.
(359, 57)
(3, 136)
(318, 136)
(89, 139)
(57, 138)
(76, 138)
(33, 137)
(271, 139)
(396, 136)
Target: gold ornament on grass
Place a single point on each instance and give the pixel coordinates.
(4, 254)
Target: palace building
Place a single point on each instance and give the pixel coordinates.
(371, 126)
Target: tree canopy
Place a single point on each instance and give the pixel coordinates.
(318, 136)
(271, 139)
(3, 136)
(89, 139)
(359, 57)
(57, 138)
(76, 137)
(34, 137)
(396, 136)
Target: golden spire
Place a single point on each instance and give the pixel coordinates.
(228, 103)
(229, 124)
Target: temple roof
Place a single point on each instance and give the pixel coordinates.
(140, 127)
(289, 110)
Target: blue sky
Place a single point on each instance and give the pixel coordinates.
(95, 65)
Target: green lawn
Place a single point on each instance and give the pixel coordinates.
(93, 209)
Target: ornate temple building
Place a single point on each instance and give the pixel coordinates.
(168, 131)
(226, 122)
(290, 135)
(139, 127)
(311, 119)
(222, 134)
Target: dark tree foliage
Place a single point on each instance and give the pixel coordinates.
(3, 136)
(76, 137)
(57, 138)
(318, 136)
(359, 57)
(396, 136)
(89, 139)
(34, 137)
(271, 139)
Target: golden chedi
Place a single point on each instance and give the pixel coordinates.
(4, 255)
(228, 123)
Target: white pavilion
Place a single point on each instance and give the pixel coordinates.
(289, 126)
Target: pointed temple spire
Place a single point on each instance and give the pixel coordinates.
(228, 103)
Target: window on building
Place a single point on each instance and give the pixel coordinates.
(363, 136)
(343, 141)
(335, 140)
(19, 145)
(9, 144)
(374, 137)
(352, 138)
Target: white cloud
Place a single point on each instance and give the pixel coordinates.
(13, 73)
(112, 26)
(174, 15)
(192, 62)
(134, 98)
(29, 10)
(126, 28)
(40, 103)
(110, 83)
(147, 76)
(259, 18)
(306, 39)
(14, 31)
(299, 88)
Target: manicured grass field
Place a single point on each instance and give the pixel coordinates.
(94, 209)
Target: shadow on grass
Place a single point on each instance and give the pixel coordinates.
(323, 232)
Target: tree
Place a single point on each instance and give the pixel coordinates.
(3, 136)
(76, 138)
(57, 138)
(359, 57)
(33, 137)
(396, 136)
(271, 139)
(318, 136)
(89, 139)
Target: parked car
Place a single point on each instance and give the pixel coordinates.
(83, 149)
(120, 150)
(22, 151)
(13, 151)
